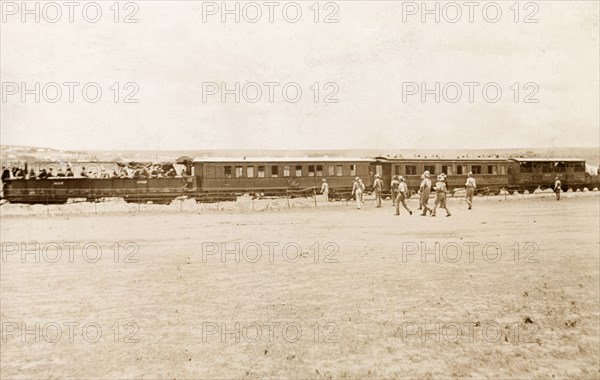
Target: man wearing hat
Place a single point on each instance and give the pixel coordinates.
(440, 195)
(421, 204)
(325, 190)
(557, 187)
(402, 194)
(471, 185)
(425, 190)
(377, 188)
(394, 186)
(362, 188)
(357, 189)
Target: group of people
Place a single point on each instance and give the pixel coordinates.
(152, 171)
(14, 173)
(399, 190)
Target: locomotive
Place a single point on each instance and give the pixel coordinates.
(221, 179)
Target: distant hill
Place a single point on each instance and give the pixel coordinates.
(33, 154)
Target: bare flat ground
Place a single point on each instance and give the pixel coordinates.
(512, 291)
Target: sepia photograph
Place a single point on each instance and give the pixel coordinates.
(308, 189)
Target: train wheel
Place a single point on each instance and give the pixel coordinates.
(511, 192)
(521, 191)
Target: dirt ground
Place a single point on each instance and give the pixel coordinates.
(511, 291)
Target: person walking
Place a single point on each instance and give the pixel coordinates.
(362, 188)
(394, 187)
(401, 196)
(421, 204)
(377, 189)
(471, 185)
(440, 196)
(425, 190)
(357, 190)
(325, 190)
(557, 187)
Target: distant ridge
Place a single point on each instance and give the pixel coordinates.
(32, 153)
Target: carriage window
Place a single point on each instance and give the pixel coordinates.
(311, 170)
(559, 167)
(261, 172)
(460, 169)
(319, 170)
(298, 170)
(526, 167)
(476, 169)
(502, 170)
(492, 169)
(331, 170)
(274, 171)
(411, 169)
(239, 171)
(339, 170)
(227, 172)
(579, 167)
(397, 169)
(352, 169)
(446, 169)
(431, 169)
(250, 171)
(286, 171)
(546, 167)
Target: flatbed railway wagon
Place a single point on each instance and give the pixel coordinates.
(227, 178)
(57, 190)
(60, 190)
(492, 174)
(531, 173)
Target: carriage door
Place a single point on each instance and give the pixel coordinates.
(536, 174)
(386, 177)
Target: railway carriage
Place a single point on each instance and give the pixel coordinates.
(531, 173)
(61, 189)
(491, 173)
(278, 176)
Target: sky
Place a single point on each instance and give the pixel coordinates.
(367, 80)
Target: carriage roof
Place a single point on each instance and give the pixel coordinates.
(540, 159)
(278, 159)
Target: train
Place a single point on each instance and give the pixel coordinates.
(225, 179)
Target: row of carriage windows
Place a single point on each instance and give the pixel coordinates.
(452, 169)
(551, 167)
(274, 171)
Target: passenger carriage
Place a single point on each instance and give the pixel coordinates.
(531, 173)
(491, 173)
(278, 176)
